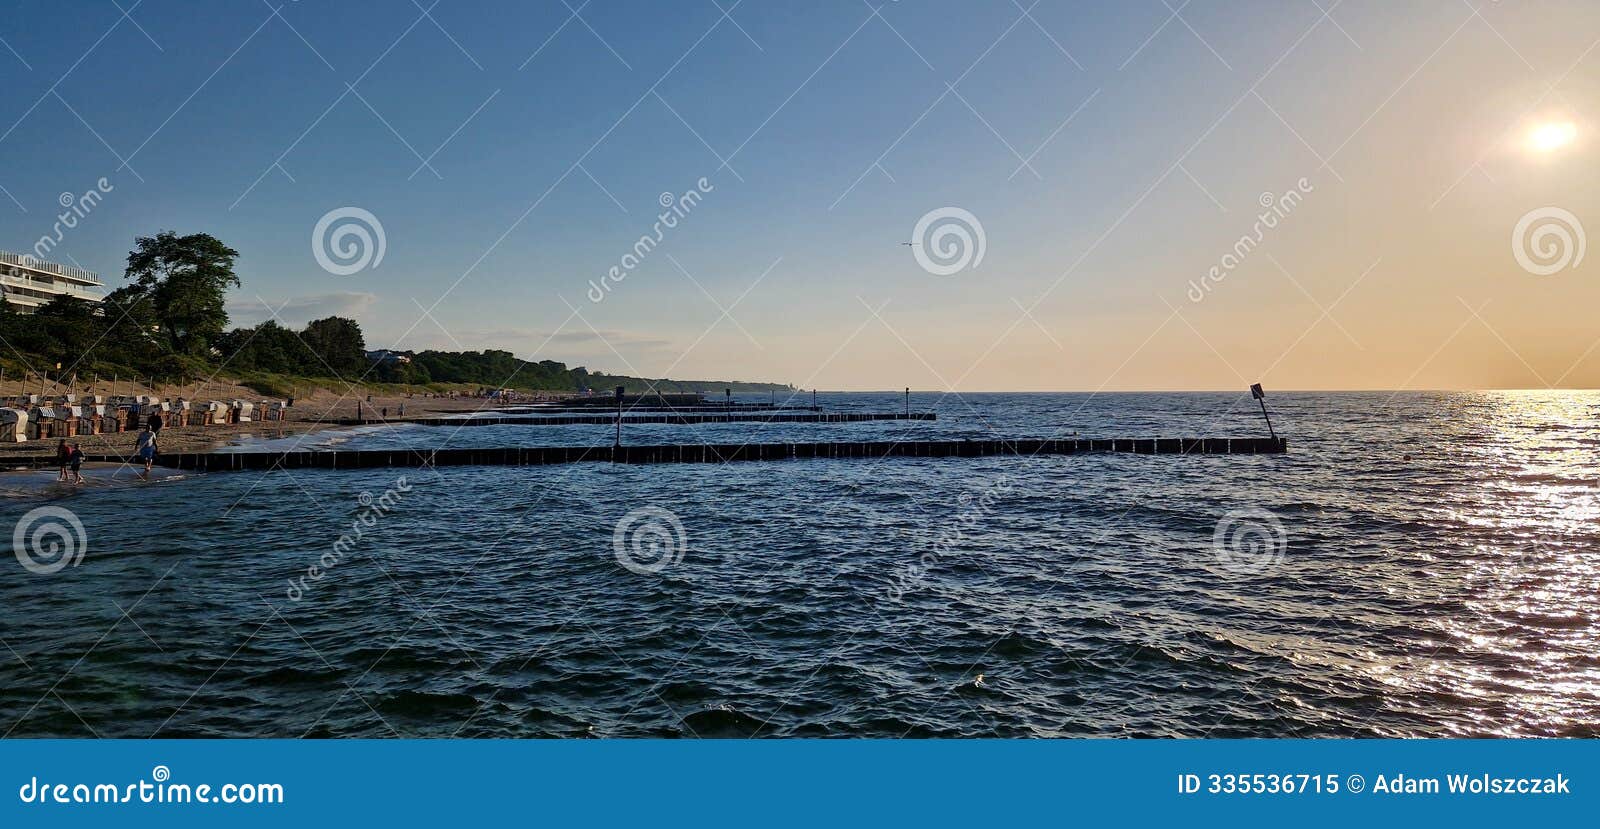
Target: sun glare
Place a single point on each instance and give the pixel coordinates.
(1552, 136)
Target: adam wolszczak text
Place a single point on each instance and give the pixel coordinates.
(1470, 784)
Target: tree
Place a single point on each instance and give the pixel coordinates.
(19, 332)
(185, 279)
(394, 371)
(67, 330)
(131, 329)
(339, 343)
(267, 347)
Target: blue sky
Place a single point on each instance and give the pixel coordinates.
(1149, 138)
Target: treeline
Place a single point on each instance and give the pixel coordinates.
(164, 324)
(169, 324)
(494, 368)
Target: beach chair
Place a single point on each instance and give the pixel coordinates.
(13, 425)
(44, 423)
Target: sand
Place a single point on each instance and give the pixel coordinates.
(309, 414)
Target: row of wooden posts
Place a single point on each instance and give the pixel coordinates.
(710, 453)
(769, 416)
(35, 417)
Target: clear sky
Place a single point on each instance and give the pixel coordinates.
(1113, 154)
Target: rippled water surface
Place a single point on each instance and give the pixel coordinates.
(1418, 565)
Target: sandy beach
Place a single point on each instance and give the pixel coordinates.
(318, 410)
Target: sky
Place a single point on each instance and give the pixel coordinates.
(1090, 179)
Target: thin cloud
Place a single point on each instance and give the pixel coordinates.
(302, 309)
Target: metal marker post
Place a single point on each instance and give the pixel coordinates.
(1261, 397)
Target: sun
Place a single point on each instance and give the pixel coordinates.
(1552, 135)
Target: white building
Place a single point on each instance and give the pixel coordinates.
(28, 283)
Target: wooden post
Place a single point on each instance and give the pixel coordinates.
(618, 444)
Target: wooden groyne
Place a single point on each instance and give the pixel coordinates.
(710, 453)
(632, 420)
(610, 405)
(515, 411)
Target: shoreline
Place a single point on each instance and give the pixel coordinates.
(319, 411)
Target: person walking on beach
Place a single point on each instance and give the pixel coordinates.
(76, 456)
(63, 457)
(154, 422)
(147, 450)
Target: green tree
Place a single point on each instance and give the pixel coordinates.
(339, 343)
(395, 371)
(67, 330)
(185, 279)
(267, 347)
(19, 332)
(131, 329)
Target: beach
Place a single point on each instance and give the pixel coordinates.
(314, 412)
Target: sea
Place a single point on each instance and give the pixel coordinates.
(1419, 564)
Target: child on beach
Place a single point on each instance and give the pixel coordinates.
(147, 450)
(76, 457)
